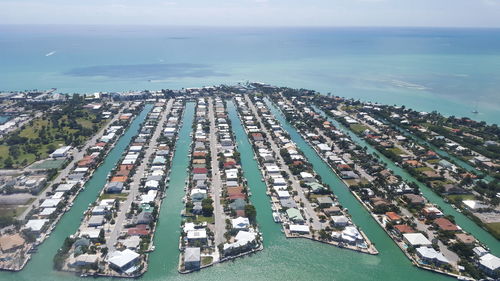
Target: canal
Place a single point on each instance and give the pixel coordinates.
(41, 264)
(463, 221)
(281, 259)
(442, 153)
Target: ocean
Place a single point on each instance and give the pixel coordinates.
(453, 71)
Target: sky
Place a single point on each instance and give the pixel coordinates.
(437, 13)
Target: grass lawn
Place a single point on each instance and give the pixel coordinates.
(433, 161)
(460, 197)
(206, 260)
(56, 135)
(119, 196)
(494, 229)
(358, 128)
(423, 169)
(351, 182)
(200, 219)
(396, 150)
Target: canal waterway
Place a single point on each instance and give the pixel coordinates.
(4, 119)
(463, 221)
(441, 152)
(281, 259)
(40, 267)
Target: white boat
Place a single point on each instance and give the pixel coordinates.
(276, 217)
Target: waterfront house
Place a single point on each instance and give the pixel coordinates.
(351, 235)
(339, 221)
(198, 235)
(294, 215)
(283, 194)
(83, 260)
(465, 238)
(36, 225)
(307, 177)
(143, 218)
(431, 256)
(325, 201)
(416, 239)
(403, 228)
(240, 223)
(139, 230)
(432, 212)
(393, 217)
(95, 221)
(114, 187)
(238, 204)
(445, 225)
(299, 228)
(192, 258)
(490, 264)
(288, 203)
(414, 199)
(121, 261)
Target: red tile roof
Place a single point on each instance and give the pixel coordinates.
(445, 224)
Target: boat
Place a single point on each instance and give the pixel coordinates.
(276, 217)
(475, 111)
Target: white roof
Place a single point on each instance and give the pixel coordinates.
(245, 236)
(430, 253)
(283, 194)
(197, 234)
(188, 226)
(299, 228)
(65, 187)
(272, 169)
(36, 225)
(240, 222)
(490, 261)
(57, 195)
(305, 175)
(417, 239)
(192, 255)
(120, 259)
(47, 211)
(91, 233)
(324, 147)
(50, 203)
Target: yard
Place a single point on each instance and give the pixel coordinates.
(396, 151)
(494, 228)
(41, 136)
(358, 128)
(119, 196)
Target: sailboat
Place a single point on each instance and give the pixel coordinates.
(475, 109)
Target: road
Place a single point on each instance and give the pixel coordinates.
(216, 186)
(77, 156)
(112, 237)
(309, 210)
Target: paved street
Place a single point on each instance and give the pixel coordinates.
(309, 210)
(136, 180)
(216, 186)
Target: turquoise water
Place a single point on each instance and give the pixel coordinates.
(40, 265)
(461, 220)
(282, 259)
(450, 70)
(4, 119)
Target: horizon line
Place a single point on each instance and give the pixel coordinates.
(250, 26)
